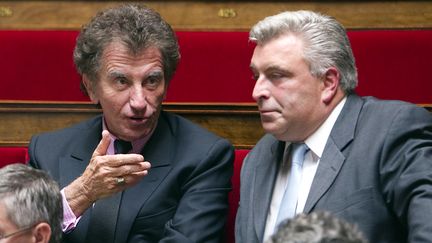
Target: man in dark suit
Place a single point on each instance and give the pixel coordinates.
(365, 160)
(135, 173)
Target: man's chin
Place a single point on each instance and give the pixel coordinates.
(135, 134)
(272, 129)
(269, 129)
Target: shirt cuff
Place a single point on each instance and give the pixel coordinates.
(69, 219)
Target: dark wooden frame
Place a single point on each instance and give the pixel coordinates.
(219, 15)
(20, 119)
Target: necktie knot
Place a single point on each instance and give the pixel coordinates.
(122, 147)
(298, 153)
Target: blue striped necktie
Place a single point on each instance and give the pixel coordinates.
(289, 201)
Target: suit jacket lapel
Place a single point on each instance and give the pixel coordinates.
(158, 151)
(335, 151)
(86, 141)
(265, 175)
(330, 164)
(72, 166)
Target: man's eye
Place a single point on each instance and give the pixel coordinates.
(153, 82)
(274, 76)
(121, 81)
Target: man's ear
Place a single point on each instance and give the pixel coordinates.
(42, 233)
(331, 82)
(90, 89)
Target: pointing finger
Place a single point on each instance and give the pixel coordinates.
(103, 145)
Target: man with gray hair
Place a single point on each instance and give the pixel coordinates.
(316, 227)
(30, 206)
(135, 173)
(367, 161)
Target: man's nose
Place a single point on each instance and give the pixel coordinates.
(260, 90)
(137, 99)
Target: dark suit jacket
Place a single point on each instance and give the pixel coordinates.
(375, 171)
(184, 198)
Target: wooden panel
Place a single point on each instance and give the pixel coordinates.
(219, 15)
(239, 123)
(19, 120)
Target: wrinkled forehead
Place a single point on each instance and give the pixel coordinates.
(122, 47)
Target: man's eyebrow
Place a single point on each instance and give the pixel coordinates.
(274, 68)
(116, 74)
(158, 74)
(268, 68)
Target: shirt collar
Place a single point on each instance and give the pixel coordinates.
(317, 141)
(137, 145)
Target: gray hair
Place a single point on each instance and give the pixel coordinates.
(135, 26)
(326, 43)
(317, 227)
(31, 196)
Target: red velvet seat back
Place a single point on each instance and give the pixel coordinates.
(234, 195)
(9, 155)
(38, 65)
(394, 64)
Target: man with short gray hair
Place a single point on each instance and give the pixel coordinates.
(316, 227)
(30, 206)
(368, 161)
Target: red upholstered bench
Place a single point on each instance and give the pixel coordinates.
(394, 64)
(37, 65)
(9, 155)
(215, 66)
(234, 195)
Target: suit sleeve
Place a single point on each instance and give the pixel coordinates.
(43, 155)
(406, 171)
(202, 210)
(241, 222)
(31, 149)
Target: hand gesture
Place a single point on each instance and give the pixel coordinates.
(104, 176)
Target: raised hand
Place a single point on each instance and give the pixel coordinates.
(104, 176)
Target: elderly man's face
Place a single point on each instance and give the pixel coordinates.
(130, 90)
(16, 235)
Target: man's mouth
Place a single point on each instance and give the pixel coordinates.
(265, 111)
(138, 119)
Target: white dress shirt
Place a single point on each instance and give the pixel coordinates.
(316, 143)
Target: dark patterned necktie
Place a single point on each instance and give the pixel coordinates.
(122, 147)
